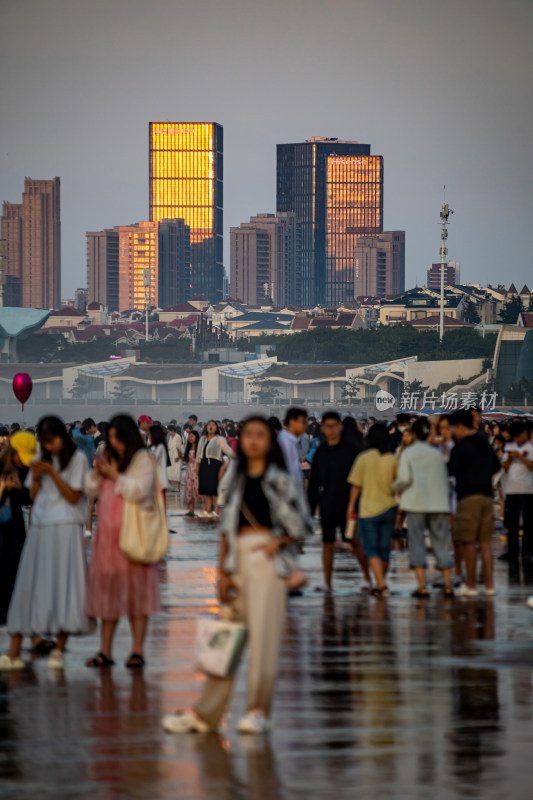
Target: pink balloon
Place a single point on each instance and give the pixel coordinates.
(22, 387)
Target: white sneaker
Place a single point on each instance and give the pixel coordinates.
(88, 535)
(489, 592)
(185, 722)
(529, 602)
(465, 591)
(56, 660)
(253, 722)
(7, 663)
(324, 588)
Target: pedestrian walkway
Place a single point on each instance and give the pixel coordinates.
(400, 699)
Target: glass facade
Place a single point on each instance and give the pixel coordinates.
(335, 189)
(138, 251)
(354, 207)
(186, 182)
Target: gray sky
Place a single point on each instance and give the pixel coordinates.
(443, 90)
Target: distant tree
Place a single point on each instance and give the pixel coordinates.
(264, 390)
(122, 393)
(80, 387)
(510, 311)
(351, 389)
(411, 387)
(471, 313)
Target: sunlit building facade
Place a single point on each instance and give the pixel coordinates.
(32, 233)
(138, 248)
(186, 182)
(380, 265)
(335, 189)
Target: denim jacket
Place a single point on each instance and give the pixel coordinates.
(288, 510)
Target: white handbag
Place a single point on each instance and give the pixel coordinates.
(219, 645)
(144, 536)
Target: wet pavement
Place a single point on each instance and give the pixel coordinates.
(393, 699)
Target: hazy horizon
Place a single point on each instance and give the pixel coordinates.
(442, 91)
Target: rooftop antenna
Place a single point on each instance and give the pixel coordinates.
(444, 216)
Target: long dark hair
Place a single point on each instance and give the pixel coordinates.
(50, 427)
(351, 432)
(157, 436)
(127, 433)
(188, 446)
(378, 438)
(274, 455)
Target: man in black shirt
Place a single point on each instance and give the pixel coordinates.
(472, 463)
(330, 491)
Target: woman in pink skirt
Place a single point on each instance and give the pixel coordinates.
(191, 496)
(118, 587)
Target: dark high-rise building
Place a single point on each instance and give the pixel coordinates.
(174, 255)
(452, 275)
(32, 232)
(335, 188)
(186, 182)
(380, 265)
(265, 260)
(102, 268)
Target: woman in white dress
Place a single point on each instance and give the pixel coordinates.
(174, 454)
(49, 594)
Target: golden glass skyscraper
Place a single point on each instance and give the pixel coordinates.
(186, 175)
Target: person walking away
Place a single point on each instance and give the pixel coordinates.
(329, 490)
(174, 454)
(445, 444)
(264, 519)
(423, 483)
(49, 594)
(472, 463)
(212, 448)
(119, 587)
(372, 477)
(191, 495)
(295, 426)
(518, 465)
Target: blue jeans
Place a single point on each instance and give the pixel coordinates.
(439, 532)
(376, 534)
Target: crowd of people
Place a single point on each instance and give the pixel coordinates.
(419, 483)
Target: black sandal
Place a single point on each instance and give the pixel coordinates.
(421, 594)
(43, 648)
(448, 594)
(135, 661)
(100, 660)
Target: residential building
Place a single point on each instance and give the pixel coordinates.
(102, 268)
(452, 275)
(335, 189)
(186, 182)
(174, 262)
(32, 232)
(380, 265)
(138, 263)
(417, 304)
(265, 260)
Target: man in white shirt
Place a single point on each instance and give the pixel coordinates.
(295, 426)
(518, 466)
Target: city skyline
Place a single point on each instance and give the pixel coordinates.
(447, 101)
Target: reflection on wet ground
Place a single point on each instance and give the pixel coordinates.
(393, 699)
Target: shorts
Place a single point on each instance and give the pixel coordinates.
(439, 533)
(376, 534)
(330, 523)
(473, 520)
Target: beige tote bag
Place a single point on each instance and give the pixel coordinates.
(144, 534)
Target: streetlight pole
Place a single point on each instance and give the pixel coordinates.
(146, 284)
(444, 216)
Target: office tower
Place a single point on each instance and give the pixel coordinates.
(379, 265)
(452, 275)
(265, 259)
(32, 230)
(335, 188)
(138, 246)
(174, 262)
(186, 182)
(102, 268)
